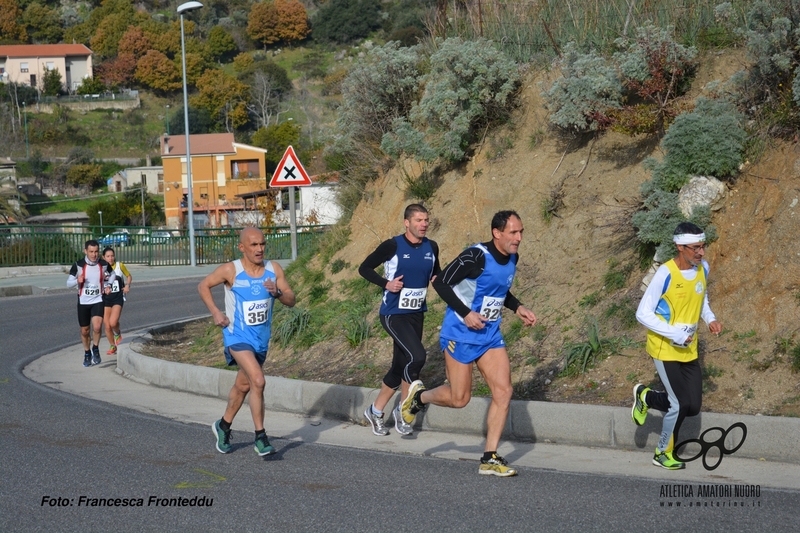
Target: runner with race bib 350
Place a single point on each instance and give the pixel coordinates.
(252, 285)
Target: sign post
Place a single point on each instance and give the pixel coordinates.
(290, 173)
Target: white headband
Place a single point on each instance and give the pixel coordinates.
(689, 238)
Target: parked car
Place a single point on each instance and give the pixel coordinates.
(120, 237)
(157, 237)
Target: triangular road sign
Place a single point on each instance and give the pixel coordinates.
(290, 173)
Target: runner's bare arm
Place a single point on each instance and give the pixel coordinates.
(222, 274)
(287, 296)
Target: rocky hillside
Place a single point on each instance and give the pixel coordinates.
(580, 265)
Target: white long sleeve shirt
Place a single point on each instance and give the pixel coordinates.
(646, 313)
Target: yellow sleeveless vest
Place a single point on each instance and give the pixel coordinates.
(680, 305)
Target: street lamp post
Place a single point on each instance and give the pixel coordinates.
(27, 149)
(186, 8)
(166, 117)
(101, 221)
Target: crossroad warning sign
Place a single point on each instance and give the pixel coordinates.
(290, 173)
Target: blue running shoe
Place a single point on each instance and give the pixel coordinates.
(96, 355)
(87, 359)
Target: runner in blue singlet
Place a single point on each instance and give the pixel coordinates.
(251, 287)
(476, 286)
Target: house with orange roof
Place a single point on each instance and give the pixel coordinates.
(230, 186)
(26, 64)
(221, 170)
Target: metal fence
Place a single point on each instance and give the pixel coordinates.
(63, 245)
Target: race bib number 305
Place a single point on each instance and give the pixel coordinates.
(492, 308)
(255, 312)
(412, 298)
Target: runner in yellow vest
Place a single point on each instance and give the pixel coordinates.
(671, 309)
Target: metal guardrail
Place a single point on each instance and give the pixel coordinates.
(63, 245)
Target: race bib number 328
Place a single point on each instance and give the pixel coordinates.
(255, 312)
(491, 308)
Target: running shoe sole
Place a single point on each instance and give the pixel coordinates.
(499, 473)
(636, 401)
(405, 407)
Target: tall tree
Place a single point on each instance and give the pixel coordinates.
(11, 27)
(220, 44)
(42, 23)
(155, 70)
(224, 97)
(262, 23)
(118, 71)
(265, 97)
(135, 42)
(292, 20)
(105, 41)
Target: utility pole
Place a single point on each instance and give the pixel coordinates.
(27, 148)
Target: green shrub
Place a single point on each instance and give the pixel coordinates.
(469, 85)
(589, 88)
(380, 88)
(290, 323)
(339, 265)
(423, 187)
(709, 141)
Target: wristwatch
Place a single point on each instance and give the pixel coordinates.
(278, 295)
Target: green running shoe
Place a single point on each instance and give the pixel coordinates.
(665, 460)
(223, 438)
(639, 409)
(263, 447)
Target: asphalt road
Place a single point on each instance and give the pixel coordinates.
(62, 454)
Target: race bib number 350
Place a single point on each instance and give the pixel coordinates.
(255, 312)
(492, 308)
(412, 298)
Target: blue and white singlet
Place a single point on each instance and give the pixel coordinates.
(486, 295)
(248, 306)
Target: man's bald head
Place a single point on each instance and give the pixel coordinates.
(247, 233)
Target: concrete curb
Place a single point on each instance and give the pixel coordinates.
(771, 438)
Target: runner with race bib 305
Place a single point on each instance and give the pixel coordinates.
(409, 262)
